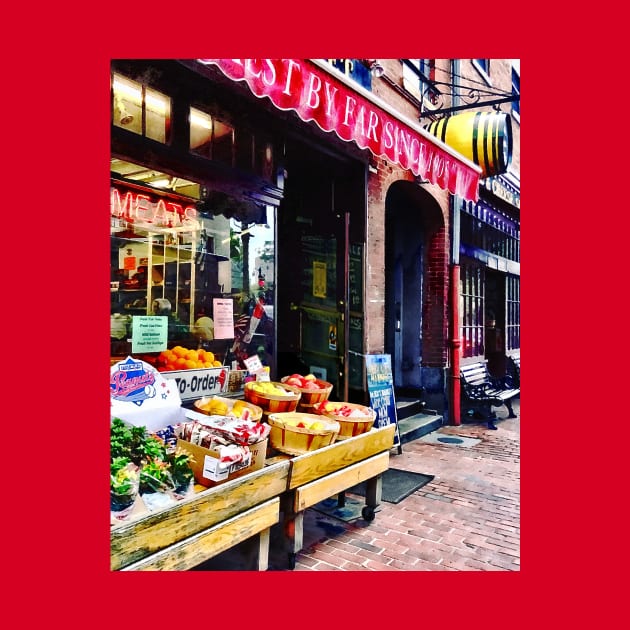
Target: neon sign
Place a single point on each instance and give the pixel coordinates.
(140, 208)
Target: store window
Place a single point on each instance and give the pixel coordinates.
(516, 93)
(483, 67)
(140, 109)
(192, 278)
(211, 137)
(419, 80)
(236, 147)
(472, 282)
(359, 70)
(513, 313)
(485, 228)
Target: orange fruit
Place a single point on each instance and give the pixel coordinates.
(209, 356)
(190, 365)
(216, 364)
(191, 355)
(179, 351)
(180, 363)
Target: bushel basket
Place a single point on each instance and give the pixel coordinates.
(285, 436)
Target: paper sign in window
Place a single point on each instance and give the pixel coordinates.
(223, 315)
(319, 279)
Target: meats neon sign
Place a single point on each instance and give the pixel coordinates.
(141, 208)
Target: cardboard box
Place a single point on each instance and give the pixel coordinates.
(205, 465)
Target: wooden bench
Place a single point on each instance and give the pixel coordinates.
(480, 390)
(514, 368)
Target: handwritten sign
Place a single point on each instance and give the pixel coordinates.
(223, 311)
(381, 389)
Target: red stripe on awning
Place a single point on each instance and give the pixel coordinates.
(316, 95)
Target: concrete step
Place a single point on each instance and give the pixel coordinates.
(407, 407)
(416, 426)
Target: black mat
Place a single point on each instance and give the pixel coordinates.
(397, 484)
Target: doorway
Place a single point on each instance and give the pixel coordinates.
(319, 218)
(412, 219)
(495, 322)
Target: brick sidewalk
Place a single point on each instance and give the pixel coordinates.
(466, 519)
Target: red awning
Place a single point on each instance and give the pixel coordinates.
(354, 115)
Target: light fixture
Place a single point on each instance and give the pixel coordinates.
(125, 117)
(376, 69)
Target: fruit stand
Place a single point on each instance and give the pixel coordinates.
(196, 529)
(203, 480)
(216, 519)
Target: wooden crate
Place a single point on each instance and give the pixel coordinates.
(316, 464)
(194, 523)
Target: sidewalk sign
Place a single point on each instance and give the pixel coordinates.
(381, 389)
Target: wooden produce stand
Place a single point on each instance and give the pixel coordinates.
(325, 472)
(200, 527)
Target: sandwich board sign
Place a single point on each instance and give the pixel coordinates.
(381, 389)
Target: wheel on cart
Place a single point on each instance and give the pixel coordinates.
(368, 513)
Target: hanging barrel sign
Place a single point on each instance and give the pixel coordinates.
(483, 137)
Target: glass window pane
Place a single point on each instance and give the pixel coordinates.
(200, 132)
(127, 111)
(223, 143)
(158, 115)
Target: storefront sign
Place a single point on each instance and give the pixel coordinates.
(503, 193)
(354, 115)
(141, 208)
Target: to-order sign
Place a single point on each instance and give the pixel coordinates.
(194, 384)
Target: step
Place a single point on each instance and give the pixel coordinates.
(406, 407)
(416, 426)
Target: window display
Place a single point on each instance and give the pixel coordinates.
(192, 279)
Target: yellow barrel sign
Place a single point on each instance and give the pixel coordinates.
(485, 138)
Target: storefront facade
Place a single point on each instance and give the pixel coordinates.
(286, 197)
(490, 274)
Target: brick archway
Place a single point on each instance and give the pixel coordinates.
(416, 285)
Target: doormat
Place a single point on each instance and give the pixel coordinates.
(397, 484)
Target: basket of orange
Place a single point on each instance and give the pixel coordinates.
(220, 406)
(353, 419)
(295, 433)
(313, 390)
(271, 397)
